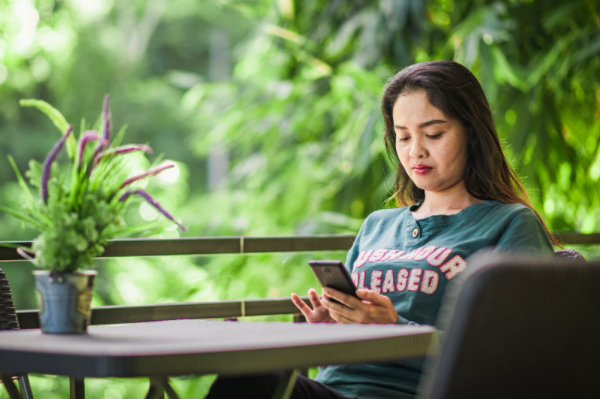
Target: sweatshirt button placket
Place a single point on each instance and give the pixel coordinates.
(415, 232)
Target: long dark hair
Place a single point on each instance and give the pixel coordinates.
(454, 90)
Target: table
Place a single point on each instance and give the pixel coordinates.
(179, 347)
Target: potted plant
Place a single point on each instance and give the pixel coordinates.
(78, 210)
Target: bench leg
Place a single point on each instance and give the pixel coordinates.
(285, 386)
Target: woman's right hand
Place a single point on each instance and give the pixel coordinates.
(318, 314)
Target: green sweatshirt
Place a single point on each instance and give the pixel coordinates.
(412, 261)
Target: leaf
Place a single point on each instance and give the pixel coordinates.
(23, 185)
(558, 15)
(344, 36)
(138, 228)
(110, 175)
(285, 34)
(55, 116)
(506, 71)
(118, 137)
(544, 61)
(82, 126)
(34, 174)
(585, 52)
(158, 160)
(22, 217)
(14, 245)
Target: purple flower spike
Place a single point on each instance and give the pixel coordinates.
(105, 128)
(151, 172)
(90, 135)
(48, 163)
(152, 202)
(105, 120)
(121, 150)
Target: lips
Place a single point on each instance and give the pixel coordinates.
(421, 169)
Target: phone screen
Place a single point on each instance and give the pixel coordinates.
(333, 274)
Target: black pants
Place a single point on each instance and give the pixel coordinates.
(263, 386)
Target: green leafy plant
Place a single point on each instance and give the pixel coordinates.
(80, 205)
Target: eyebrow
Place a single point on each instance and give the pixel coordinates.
(422, 125)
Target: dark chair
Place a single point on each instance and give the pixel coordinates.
(9, 321)
(519, 328)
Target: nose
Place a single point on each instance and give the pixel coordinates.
(418, 149)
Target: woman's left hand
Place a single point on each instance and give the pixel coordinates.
(370, 308)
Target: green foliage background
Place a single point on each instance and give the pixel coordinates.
(297, 112)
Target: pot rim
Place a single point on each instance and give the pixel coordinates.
(88, 272)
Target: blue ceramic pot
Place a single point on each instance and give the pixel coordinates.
(65, 300)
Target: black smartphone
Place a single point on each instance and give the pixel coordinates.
(333, 274)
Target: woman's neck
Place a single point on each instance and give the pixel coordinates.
(447, 202)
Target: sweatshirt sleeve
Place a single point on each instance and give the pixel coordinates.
(525, 234)
(402, 320)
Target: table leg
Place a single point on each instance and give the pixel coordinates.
(299, 318)
(77, 388)
(158, 387)
(11, 388)
(169, 390)
(156, 390)
(285, 386)
(25, 386)
(154, 393)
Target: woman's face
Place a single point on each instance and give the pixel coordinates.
(431, 147)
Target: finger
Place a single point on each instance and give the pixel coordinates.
(314, 298)
(301, 305)
(373, 297)
(339, 308)
(346, 299)
(340, 318)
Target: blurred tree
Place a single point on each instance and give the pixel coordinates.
(301, 114)
(72, 52)
(538, 63)
(146, 54)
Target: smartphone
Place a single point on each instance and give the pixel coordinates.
(333, 274)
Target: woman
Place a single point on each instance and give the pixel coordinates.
(458, 195)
